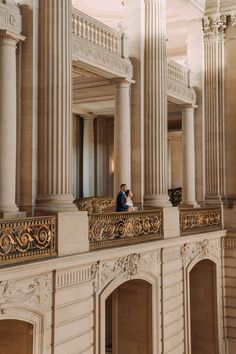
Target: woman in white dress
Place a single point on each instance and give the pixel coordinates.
(128, 200)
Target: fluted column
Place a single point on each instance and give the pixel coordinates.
(188, 157)
(214, 28)
(55, 106)
(122, 135)
(155, 117)
(88, 156)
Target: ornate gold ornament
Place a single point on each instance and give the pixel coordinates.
(94, 204)
(207, 219)
(22, 239)
(110, 229)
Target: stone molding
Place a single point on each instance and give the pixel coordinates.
(90, 55)
(202, 249)
(34, 292)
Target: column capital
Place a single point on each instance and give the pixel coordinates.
(214, 27)
(5, 34)
(88, 116)
(122, 81)
(190, 107)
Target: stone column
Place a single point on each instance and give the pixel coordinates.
(9, 37)
(155, 117)
(88, 156)
(188, 157)
(55, 106)
(122, 135)
(214, 28)
(8, 123)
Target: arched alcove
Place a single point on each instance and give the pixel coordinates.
(203, 308)
(16, 337)
(129, 318)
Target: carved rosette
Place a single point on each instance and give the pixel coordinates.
(214, 27)
(202, 249)
(34, 292)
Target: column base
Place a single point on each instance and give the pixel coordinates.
(189, 204)
(157, 201)
(55, 203)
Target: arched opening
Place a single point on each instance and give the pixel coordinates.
(129, 319)
(203, 308)
(16, 337)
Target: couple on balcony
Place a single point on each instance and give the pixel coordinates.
(123, 200)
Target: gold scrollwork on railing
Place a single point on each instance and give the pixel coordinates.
(94, 204)
(26, 238)
(200, 219)
(116, 228)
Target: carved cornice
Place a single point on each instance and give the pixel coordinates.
(180, 92)
(90, 54)
(214, 27)
(202, 249)
(34, 292)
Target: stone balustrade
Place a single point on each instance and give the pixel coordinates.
(196, 220)
(25, 239)
(113, 229)
(93, 31)
(178, 73)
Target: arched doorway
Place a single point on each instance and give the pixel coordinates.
(129, 319)
(203, 308)
(16, 337)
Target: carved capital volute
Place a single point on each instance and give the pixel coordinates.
(214, 27)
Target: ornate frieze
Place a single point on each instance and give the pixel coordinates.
(214, 27)
(129, 266)
(24, 239)
(90, 54)
(109, 229)
(180, 92)
(10, 17)
(32, 291)
(200, 219)
(202, 249)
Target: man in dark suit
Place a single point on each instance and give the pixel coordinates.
(120, 200)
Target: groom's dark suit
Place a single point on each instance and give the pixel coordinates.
(120, 202)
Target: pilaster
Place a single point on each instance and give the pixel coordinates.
(88, 156)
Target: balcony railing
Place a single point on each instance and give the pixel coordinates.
(113, 229)
(200, 220)
(26, 239)
(178, 73)
(97, 33)
(95, 204)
